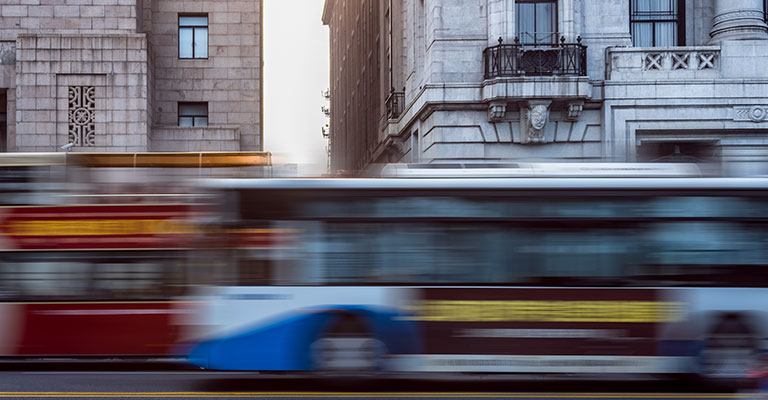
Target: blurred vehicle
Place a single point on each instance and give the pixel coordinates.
(97, 251)
(620, 274)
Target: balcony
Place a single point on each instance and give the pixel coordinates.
(535, 59)
(395, 103)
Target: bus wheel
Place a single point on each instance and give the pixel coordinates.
(729, 353)
(347, 347)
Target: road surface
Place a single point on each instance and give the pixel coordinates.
(115, 381)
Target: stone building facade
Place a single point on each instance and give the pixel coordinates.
(551, 80)
(130, 75)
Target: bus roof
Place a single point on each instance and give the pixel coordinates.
(490, 184)
(533, 170)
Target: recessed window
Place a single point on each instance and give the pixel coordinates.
(657, 23)
(193, 114)
(536, 21)
(193, 36)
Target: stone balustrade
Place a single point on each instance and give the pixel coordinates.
(655, 63)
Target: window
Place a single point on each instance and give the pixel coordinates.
(657, 22)
(536, 21)
(193, 36)
(193, 114)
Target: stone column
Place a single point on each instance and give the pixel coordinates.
(738, 20)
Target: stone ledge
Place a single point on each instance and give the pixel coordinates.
(85, 34)
(539, 87)
(208, 138)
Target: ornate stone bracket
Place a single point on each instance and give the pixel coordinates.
(395, 149)
(534, 116)
(753, 113)
(496, 111)
(574, 110)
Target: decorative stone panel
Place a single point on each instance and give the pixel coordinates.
(753, 113)
(82, 115)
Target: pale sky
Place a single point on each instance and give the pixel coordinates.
(295, 73)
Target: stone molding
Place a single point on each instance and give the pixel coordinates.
(539, 87)
(738, 20)
(737, 15)
(750, 113)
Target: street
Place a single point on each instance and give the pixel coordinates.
(21, 380)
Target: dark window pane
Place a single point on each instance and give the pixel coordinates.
(201, 42)
(193, 21)
(185, 42)
(536, 22)
(642, 34)
(666, 34)
(655, 22)
(545, 22)
(193, 109)
(526, 22)
(186, 121)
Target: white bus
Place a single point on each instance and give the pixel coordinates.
(492, 275)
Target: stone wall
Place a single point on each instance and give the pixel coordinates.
(212, 138)
(66, 17)
(467, 136)
(229, 79)
(48, 64)
(357, 108)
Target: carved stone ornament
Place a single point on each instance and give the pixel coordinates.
(496, 112)
(537, 117)
(395, 149)
(574, 111)
(81, 115)
(752, 113)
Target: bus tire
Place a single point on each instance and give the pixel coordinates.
(348, 347)
(729, 353)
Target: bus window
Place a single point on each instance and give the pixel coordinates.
(705, 253)
(95, 276)
(44, 279)
(485, 254)
(579, 254)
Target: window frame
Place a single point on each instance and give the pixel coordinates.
(179, 116)
(555, 19)
(679, 21)
(193, 28)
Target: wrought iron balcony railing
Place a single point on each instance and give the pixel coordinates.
(536, 59)
(395, 102)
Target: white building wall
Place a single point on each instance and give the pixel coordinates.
(452, 113)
